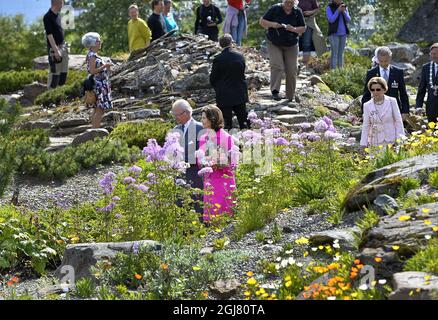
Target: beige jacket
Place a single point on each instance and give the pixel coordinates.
(317, 36)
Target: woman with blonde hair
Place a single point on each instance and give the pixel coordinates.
(382, 121)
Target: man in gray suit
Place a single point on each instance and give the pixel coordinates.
(189, 130)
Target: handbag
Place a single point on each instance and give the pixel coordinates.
(90, 98)
(88, 86)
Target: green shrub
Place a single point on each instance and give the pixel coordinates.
(137, 134)
(85, 288)
(369, 220)
(425, 260)
(11, 81)
(433, 179)
(60, 94)
(347, 80)
(389, 156)
(408, 184)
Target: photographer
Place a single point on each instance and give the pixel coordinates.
(285, 22)
(208, 16)
(338, 18)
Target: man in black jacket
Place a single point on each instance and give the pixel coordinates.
(208, 17)
(429, 83)
(394, 77)
(228, 80)
(156, 21)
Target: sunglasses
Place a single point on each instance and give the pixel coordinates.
(376, 89)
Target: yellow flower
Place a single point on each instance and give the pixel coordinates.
(404, 218)
(288, 298)
(194, 222)
(196, 268)
(302, 240)
(218, 205)
(74, 239)
(395, 248)
(367, 150)
(250, 273)
(247, 293)
(427, 222)
(435, 228)
(431, 125)
(288, 278)
(306, 254)
(425, 210)
(321, 247)
(251, 281)
(218, 230)
(288, 284)
(354, 294)
(378, 259)
(262, 290)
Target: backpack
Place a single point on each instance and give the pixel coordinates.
(87, 91)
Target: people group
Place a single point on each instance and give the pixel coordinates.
(290, 25)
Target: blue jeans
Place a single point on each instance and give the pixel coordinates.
(306, 39)
(337, 47)
(237, 32)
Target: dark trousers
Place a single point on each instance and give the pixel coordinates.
(195, 181)
(241, 114)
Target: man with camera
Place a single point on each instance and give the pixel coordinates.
(208, 16)
(56, 47)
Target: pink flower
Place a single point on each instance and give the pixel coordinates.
(205, 171)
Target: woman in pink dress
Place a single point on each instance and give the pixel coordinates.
(217, 156)
(382, 121)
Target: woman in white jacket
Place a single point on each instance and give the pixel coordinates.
(382, 121)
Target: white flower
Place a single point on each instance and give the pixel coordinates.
(331, 298)
(336, 258)
(277, 267)
(314, 249)
(363, 287)
(336, 245)
(289, 251)
(278, 259)
(382, 281)
(299, 264)
(284, 263)
(291, 261)
(427, 236)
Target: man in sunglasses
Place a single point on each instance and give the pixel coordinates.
(393, 76)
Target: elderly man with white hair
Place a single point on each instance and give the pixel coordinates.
(100, 72)
(189, 130)
(393, 76)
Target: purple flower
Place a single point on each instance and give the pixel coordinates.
(180, 182)
(153, 151)
(129, 180)
(281, 141)
(332, 129)
(321, 126)
(204, 171)
(135, 247)
(108, 208)
(107, 183)
(305, 125)
(116, 198)
(118, 216)
(252, 115)
(332, 135)
(328, 121)
(297, 144)
(142, 187)
(135, 169)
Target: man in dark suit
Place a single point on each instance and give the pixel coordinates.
(394, 77)
(228, 80)
(189, 130)
(429, 81)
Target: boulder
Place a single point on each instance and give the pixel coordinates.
(89, 135)
(72, 122)
(194, 82)
(57, 144)
(384, 262)
(38, 124)
(314, 79)
(384, 205)
(403, 52)
(286, 110)
(72, 130)
(113, 116)
(12, 99)
(81, 257)
(387, 180)
(344, 237)
(292, 118)
(143, 114)
(412, 285)
(422, 26)
(33, 90)
(405, 229)
(225, 289)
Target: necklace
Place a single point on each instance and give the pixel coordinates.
(433, 87)
(379, 102)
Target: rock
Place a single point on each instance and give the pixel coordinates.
(414, 78)
(57, 144)
(225, 289)
(422, 26)
(292, 119)
(206, 250)
(81, 257)
(407, 67)
(204, 68)
(388, 265)
(387, 180)
(344, 236)
(314, 79)
(38, 124)
(89, 135)
(73, 122)
(143, 114)
(287, 110)
(257, 80)
(421, 59)
(412, 285)
(385, 204)
(72, 130)
(194, 82)
(55, 289)
(12, 99)
(403, 52)
(113, 116)
(366, 52)
(33, 90)
(405, 229)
